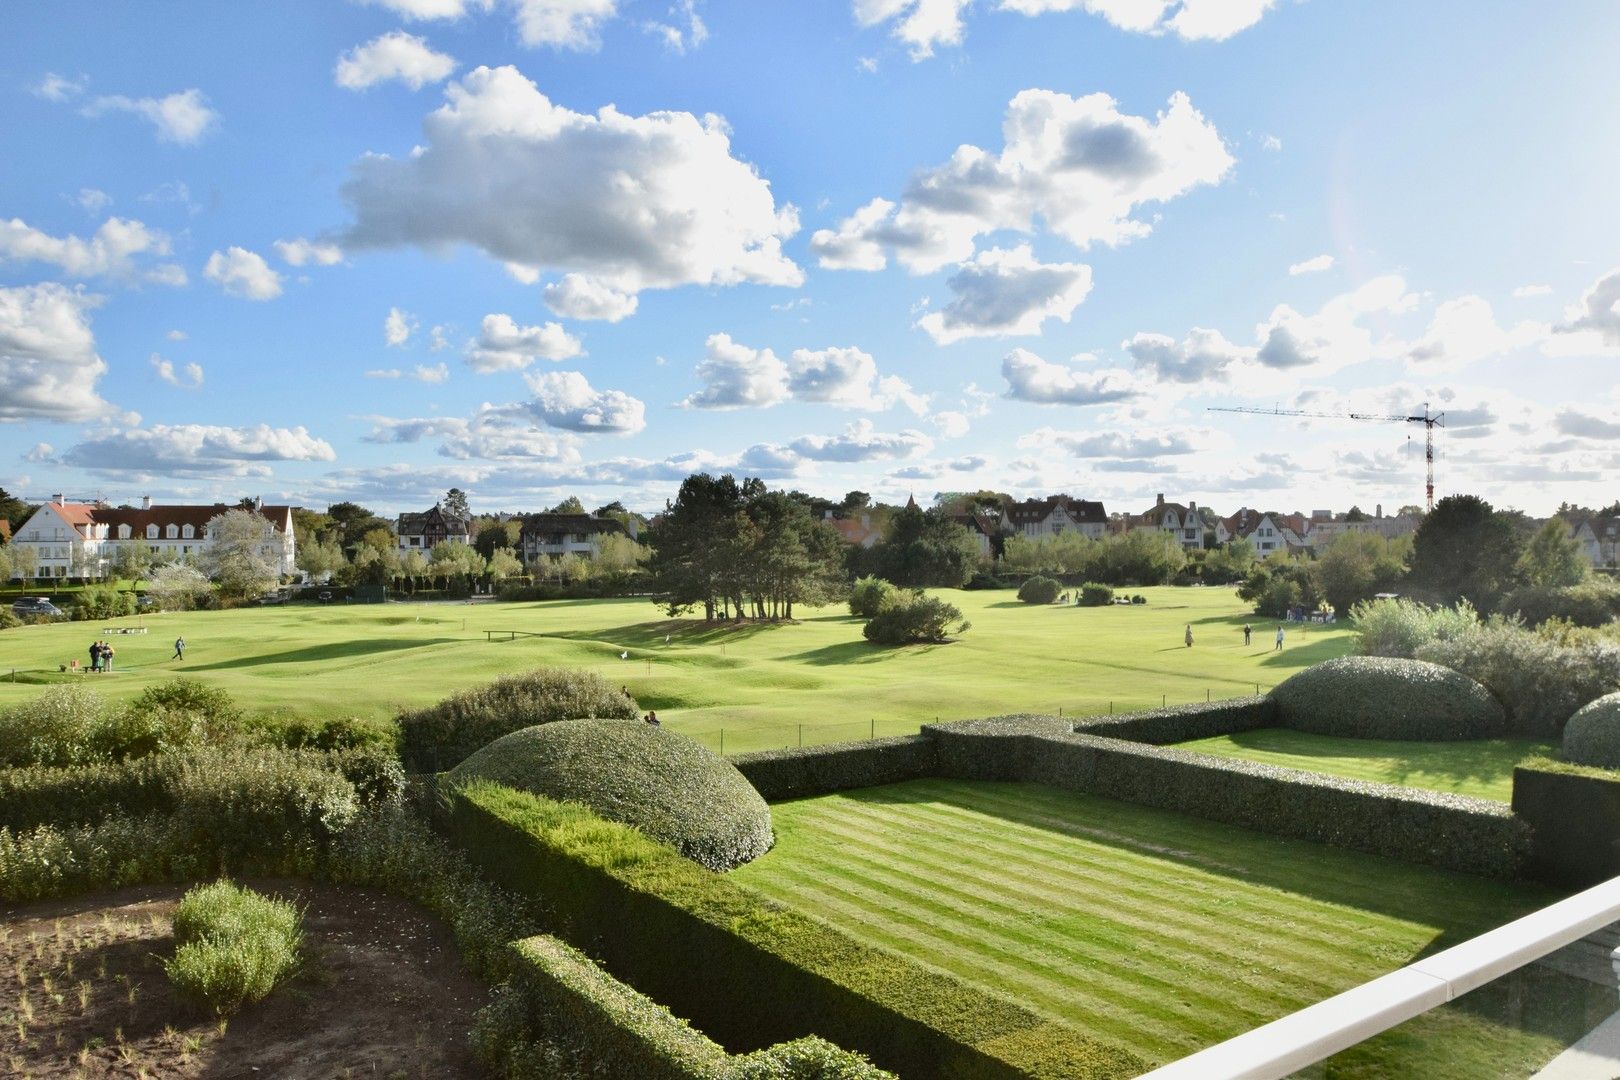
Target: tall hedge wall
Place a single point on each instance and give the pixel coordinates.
(749, 971)
(1184, 723)
(1575, 814)
(820, 770)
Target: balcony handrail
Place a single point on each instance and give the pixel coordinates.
(1284, 1046)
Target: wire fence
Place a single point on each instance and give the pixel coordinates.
(784, 735)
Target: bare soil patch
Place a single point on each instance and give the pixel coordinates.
(382, 994)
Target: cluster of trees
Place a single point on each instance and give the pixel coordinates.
(741, 550)
(1142, 557)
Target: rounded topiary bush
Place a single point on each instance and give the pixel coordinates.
(666, 785)
(438, 737)
(1095, 595)
(1379, 697)
(1039, 590)
(1592, 736)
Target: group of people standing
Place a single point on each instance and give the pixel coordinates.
(101, 656)
(1248, 637)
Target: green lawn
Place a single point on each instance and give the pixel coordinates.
(1159, 932)
(1483, 768)
(757, 682)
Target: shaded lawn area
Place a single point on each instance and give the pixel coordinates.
(1159, 932)
(1483, 769)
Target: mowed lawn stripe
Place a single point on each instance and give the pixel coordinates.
(1132, 1016)
(1159, 918)
(1205, 904)
(1403, 891)
(1062, 901)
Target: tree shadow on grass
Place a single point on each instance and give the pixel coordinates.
(858, 652)
(682, 632)
(340, 650)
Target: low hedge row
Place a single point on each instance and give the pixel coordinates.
(819, 770)
(1574, 811)
(560, 1015)
(1101, 757)
(747, 970)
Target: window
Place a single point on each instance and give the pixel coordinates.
(172, 531)
(123, 532)
(188, 532)
(152, 533)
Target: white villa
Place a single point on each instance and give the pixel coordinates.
(1056, 514)
(1600, 540)
(569, 534)
(1188, 524)
(1268, 533)
(72, 539)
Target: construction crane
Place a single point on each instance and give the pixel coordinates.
(1429, 421)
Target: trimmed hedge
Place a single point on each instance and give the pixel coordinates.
(1379, 697)
(1039, 590)
(441, 736)
(1592, 736)
(671, 788)
(1109, 756)
(819, 770)
(747, 970)
(1575, 815)
(1095, 595)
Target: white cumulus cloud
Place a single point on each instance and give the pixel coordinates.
(183, 117)
(861, 441)
(566, 399)
(1312, 266)
(738, 377)
(301, 252)
(1034, 379)
(505, 345)
(188, 377)
(197, 450)
(398, 327)
(1007, 293)
(395, 55)
(48, 361)
(120, 248)
(243, 273)
(579, 296)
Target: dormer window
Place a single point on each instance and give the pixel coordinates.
(188, 532)
(123, 532)
(151, 532)
(173, 532)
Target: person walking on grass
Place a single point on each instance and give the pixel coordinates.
(95, 658)
(1279, 639)
(106, 656)
(1189, 635)
(1248, 635)
(179, 649)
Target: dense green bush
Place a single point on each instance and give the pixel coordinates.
(1375, 697)
(1039, 590)
(70, 724)
(54, 728)
(675, 790)
(255, 803)
(1095, 595)
(869, 596)
(99, 602)
(1592, 736)
(810, 1058)
(1539, 680)
(1595, 602)
(747, 970)
(9, 619)
(190, 695)
(440, 736)
(331, 733)
(233, 945)
(916, 620)
(817, 770)
(1574, 815)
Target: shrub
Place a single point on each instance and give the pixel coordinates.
(253, 805)
(671, 788)
(1400, 628)
(1593, 603)
(189, 695)
(810, 1058)
(332, 733)
(817, 770)
(55, 728)
(870, 596)
(1039, 590)
(747, 970)
(1376, 697)
(1592, 736)
(441, 736)
(1095, 595)
(233, 945)
(47, 860)
(1540, 681)
(1574, 815)
(918, 620)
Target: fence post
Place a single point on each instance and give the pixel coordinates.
(1164, 701)
(1110, 706)
(1206, 693)
(722, 742)
(801, 736)
(873, 733)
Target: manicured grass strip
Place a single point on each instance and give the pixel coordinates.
(1483, 769)
(1156, 931)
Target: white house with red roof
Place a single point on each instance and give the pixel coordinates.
(72, 539)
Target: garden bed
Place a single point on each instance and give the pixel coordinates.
(1482, 768)
(1154, 931)
(382, 993)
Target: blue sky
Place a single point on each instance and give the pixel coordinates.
(545, 247)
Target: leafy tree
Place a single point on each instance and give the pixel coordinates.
(493, 533)
(353, 521)
(455, 504)
(6, 565)
(178, 587)
(243, 555)
(617, 553)
(323, 560)
(381, 540)
(132, 559)
(925, 549)
(15, 510)
(570, 505)
(24, 561)
(854, 502)
(1410, 510)
(1229, 563)
(1465, 550)
(869, 596)
(1553, 557)
(914, 619)
(1067, 553)
(1279, 584)
(1356, 513)
(1039, 590)
(372, 566)
(1357, 566)
(454, 560)
(1139, 557)
(504, 563)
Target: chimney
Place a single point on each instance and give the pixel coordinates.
(1161, 500)
(1192, 507)
(1380, 509)
(146, 502)
(59, 499)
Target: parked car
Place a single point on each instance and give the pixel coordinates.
(35, 605)
(276, 597)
